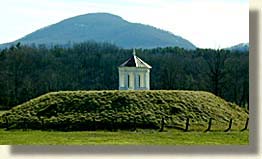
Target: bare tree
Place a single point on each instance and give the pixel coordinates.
(216, 70)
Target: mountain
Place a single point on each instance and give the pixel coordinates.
(242, 47)
(104, 27)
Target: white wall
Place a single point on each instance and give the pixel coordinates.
(134, 74)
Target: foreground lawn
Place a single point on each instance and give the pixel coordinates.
(140, 137)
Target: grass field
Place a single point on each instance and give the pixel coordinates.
(140, 137)
(68, 112)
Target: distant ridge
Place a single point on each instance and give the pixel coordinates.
(242, 47)
(103, 27)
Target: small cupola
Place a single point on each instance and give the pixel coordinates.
(134, 74)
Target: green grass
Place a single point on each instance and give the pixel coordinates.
(2, 112)
(77, 110)
(140, 137)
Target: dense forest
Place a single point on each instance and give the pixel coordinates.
(29, 71)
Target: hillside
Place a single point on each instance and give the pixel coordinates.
(84, 110)
(242, 47)
(104, 27)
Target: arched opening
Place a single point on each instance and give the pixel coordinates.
(128, 81)
(139, 81)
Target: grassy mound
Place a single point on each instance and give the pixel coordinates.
(89, 110)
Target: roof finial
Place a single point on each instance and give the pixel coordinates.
(134, 51)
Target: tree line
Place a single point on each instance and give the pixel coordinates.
(30, 71)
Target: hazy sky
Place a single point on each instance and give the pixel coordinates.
(206, 23)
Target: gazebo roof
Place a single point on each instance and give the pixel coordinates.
(135, 61)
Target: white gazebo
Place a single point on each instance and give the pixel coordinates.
(134, 74)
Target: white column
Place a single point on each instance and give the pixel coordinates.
(147, 80)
